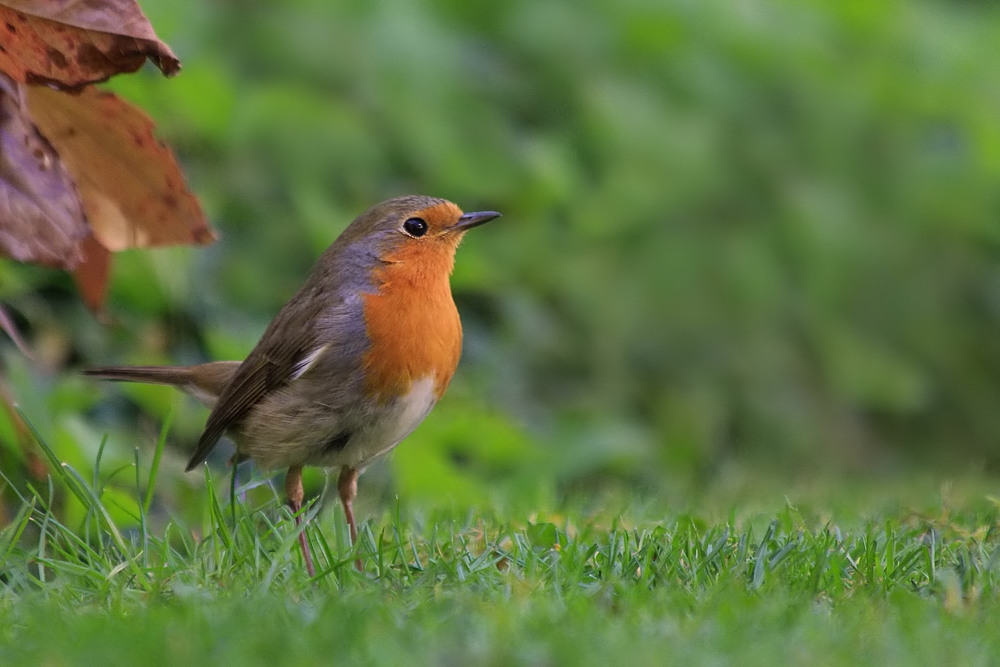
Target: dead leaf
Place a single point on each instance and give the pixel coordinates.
(91, 275)
(133, 190)
(41, 219)
(71, 43)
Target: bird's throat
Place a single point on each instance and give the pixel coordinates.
(412, 324)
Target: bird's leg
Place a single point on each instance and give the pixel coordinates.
(293, 489)
(347, 487)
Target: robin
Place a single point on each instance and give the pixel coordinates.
(351, 364)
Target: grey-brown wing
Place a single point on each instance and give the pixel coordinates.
(290, 338)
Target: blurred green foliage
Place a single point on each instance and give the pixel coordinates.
(763, 231)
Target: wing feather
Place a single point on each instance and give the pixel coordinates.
(288, 343)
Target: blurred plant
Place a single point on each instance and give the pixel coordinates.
(81, 173)
(763, 233)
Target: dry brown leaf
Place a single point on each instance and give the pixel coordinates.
(41, 219)
(91, 276)
(72, 43)
(123, 17)
(133, 190)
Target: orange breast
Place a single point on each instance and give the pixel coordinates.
(412, 322)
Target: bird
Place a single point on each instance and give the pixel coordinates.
(350, 365)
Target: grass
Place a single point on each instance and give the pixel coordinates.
(452, 587)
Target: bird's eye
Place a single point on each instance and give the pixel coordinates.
(415, 227)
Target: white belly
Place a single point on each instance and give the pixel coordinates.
(300, 429)
(395, 422)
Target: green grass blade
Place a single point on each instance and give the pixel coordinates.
(154, 468)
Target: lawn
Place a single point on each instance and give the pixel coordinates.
(729, 385)
(830, 572)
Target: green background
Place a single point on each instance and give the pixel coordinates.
(740, 239)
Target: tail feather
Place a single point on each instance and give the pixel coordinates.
(172, 375)
(205, 381)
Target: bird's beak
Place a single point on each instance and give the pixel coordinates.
(470, 220)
